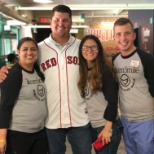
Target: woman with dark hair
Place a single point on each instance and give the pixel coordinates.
(97, 85)
(23, 104)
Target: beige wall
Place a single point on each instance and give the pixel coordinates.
(80, 33)
(104, 32)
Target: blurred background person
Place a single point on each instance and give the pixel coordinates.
(12, 59)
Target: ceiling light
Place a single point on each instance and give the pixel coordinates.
(43, 1)
(48, 26)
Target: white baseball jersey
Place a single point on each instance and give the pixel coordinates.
(66, 108)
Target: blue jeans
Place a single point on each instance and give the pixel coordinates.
(112, 147)
(79, 138)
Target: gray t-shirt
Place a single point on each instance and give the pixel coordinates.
(23, 101)
(136, 85)
(102, 105)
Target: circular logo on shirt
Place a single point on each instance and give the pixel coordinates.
(40, 90)
(125, 81)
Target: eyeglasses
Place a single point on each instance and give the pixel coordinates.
(93, 48)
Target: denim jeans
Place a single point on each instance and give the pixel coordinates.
(112, 147)
(79, 138)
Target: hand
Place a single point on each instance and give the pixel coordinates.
(2, 147)
(3, 73)
(106, 136)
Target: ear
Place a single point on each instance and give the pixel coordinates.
(134, 35)
(18, 52)
(36, 56)
(113, 37)
(50, 22)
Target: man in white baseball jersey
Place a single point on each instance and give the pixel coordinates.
(67, 113)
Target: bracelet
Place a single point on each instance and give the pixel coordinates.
(2, 141)
(109, 130)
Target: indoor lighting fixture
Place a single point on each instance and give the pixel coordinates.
(43, 1)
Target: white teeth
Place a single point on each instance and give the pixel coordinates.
(90, 54)
(123, 43)
(59, 28)
(29, 57)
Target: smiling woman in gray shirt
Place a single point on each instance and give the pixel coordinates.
(23, 105)
(98, 87)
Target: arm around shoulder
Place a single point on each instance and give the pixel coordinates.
(4, 72)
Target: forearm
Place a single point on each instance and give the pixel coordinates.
(107, 132)
(108, 125)
(3, 73)
(3, 133)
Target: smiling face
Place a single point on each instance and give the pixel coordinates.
(60, 24)
(28, 54)
(89, 51)
(124, 38)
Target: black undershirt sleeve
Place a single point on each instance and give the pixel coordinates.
(148, 65)
(110, 90)
(9, 93)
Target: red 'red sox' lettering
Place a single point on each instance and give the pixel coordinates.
(73, 60)
(49, 63)
(52, 62)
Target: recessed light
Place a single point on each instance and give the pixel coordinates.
(43, 1)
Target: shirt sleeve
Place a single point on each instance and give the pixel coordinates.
(110, 91)
(9, 93)
(148, 65)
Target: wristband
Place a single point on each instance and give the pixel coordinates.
(109, 130)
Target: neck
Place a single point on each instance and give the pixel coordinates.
(61, 40)
(89, 64)
(27, 67)
(126, 53)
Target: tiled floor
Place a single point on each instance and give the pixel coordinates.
(121, 149)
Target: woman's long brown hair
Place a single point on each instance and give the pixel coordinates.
(94, 77)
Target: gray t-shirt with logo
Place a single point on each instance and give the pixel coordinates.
(136, 85)
(23, 101)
